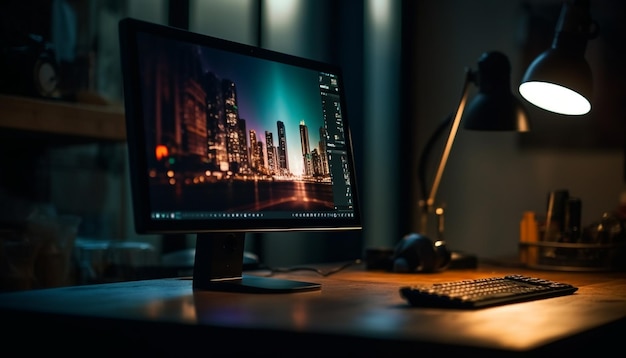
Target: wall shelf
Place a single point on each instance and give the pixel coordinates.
(55, 117)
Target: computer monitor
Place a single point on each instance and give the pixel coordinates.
(226, 139)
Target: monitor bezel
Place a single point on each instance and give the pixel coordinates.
(144, 223)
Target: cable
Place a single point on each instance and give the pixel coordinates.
(314, 269)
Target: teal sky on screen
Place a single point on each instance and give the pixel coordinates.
(269, 92)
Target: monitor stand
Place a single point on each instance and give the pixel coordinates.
(218, 266)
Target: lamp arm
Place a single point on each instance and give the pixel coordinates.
(426, 152)
(453, 130)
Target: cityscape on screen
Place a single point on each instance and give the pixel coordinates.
(230, 135)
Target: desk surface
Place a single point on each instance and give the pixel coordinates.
(356, 311)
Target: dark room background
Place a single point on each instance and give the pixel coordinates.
(403, 65)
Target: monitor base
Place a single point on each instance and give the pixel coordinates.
(256, 284)
(218, 267)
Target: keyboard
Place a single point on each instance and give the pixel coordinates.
(484, 292)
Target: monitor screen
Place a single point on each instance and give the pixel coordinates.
(226, 138)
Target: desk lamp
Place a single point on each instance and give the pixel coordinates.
(559, 79)
(494, 108)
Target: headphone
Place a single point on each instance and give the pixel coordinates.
(417, 253)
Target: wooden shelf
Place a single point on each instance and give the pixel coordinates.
(99, 122)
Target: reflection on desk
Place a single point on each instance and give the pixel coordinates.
(356, 311)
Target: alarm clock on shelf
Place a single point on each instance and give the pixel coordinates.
(29, 67)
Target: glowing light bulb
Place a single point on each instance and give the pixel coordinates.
(555, 98)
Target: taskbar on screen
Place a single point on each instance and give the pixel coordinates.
(176, 215)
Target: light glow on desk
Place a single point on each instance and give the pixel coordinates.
(300, 315)
(530, 320)
(183, 308)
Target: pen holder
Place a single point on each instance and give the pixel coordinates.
(563, 256)
(547, 248)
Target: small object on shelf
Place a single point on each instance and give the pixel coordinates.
(28, 67)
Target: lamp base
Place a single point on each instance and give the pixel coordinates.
(462, 260)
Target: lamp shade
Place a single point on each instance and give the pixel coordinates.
(559, 79)
(494, 107)
(558, 82)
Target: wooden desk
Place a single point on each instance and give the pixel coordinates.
(357, 312)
